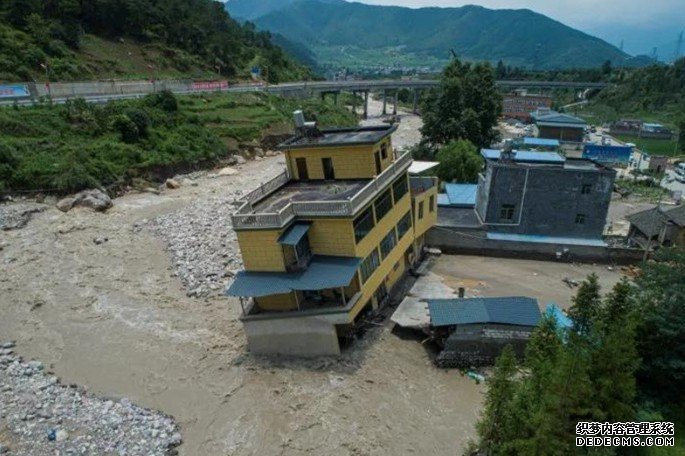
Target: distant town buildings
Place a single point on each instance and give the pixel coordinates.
(520, 104)
(563, 127)
(330, 239)
(638, 128)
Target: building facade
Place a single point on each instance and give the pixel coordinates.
(563, 127)
(543, 194)
(329, 239)
(520, 104)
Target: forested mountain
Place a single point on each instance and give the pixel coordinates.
(74, 39)
(338, 31)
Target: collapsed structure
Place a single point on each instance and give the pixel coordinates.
(329, 238)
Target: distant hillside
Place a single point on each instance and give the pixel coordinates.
(70, 40)
(345, 33)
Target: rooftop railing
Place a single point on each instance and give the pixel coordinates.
(246, 217)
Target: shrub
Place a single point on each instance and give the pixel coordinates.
(127, 128)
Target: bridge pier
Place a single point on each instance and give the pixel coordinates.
(394, 105)
(415, 109)
(385, 102)
(354, 102)
(366, 104)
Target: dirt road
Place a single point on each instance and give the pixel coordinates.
(115, 318)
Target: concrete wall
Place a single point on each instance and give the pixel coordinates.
(332, 237)
(552, 200)
(474, 242)
(308, 337)
(430, 212)
(261, 250)
(349, 162)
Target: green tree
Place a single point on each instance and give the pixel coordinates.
(465, 105)
(459, 162)
(585, 305)
(127, 128)
(660, 307)
(497, 412)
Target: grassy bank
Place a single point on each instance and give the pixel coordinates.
(666, 147)
(66, 148)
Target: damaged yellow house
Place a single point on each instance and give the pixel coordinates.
(329, 239)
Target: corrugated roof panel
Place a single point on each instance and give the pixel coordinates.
(293, 234)
(463, 195)
(324, 272)
(515, 310)
(538, 157)
(443, 200)
(540, 142)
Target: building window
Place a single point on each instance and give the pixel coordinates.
(587, 188)
(384, 151)
(369, 265)
(420, 210)
(400, 188)
(507, 212)
(404, 225)
(388, 243)
(383, 205)
(363, 224)
(431, 204)
(328, 170)
(580, 219)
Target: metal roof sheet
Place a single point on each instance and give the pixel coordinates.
(293, 234)
(559, 118)
(545, 239)
(514, 310)
(341, 137)
(443, 200)
(528, 141)
(417, 167)
(525, 156)
(463, 195)
(324, 272)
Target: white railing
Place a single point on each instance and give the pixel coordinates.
(246, 218)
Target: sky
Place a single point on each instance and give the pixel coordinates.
(640, 24)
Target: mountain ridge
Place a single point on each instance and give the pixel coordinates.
(519, 37)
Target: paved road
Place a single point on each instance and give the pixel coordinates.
(86, 91)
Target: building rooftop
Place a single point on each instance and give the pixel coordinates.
(553, 118)
(337, 190)
(460, 195)
(652, 221)
(522, 156)
(341, 137)
(515, 310)
(528, 141)
(418, 167)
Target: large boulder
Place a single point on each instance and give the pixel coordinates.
(96, 200)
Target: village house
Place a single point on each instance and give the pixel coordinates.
(329, 239)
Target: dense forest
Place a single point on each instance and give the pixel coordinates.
(187, 36)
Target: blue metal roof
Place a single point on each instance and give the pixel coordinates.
(515, 310)
(528, 141)
(525, 156)
(545, 239)
(293, 234)
(463, 195)
(558, 315)
(324, 272)
(443, 200)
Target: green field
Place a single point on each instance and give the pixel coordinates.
(654, 146)
(66, 148)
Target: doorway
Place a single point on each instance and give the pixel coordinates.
(302, 172)
(328, 171)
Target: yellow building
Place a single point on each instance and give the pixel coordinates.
(329, 239)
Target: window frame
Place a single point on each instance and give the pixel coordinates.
(363, 215)
(405, 219)
(405, 188)
(586, 189)
(431, 203)
(419, 212)
(392, 237)
(507, 211)
(369, 265)
(387, 194)
(580, 219)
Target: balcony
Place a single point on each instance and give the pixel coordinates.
(422, 184)
(334, 308)
(275, 203)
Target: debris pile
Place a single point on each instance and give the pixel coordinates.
(43, 417)
(202, 244)
(16, 216)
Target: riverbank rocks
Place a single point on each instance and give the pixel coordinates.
(172, 184)
(16, 216)
(227, 171)
(94, 199)
(42, 416)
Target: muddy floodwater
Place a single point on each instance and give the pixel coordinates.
(113, 316)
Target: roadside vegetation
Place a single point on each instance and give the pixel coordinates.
(623, 360)
(72, 40)
(64, 148)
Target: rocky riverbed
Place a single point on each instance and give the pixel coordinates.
(41, 416)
